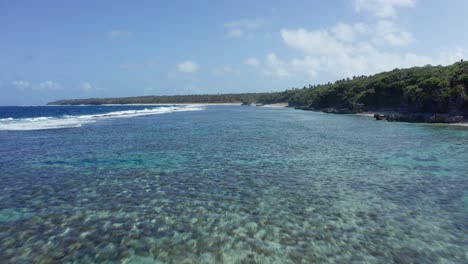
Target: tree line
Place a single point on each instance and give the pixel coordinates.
(435, 89)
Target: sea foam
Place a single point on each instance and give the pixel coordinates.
(70, 121)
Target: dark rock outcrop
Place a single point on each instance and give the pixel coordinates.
(339, 111)
(379, 117)
(420, 118)
(305, 108)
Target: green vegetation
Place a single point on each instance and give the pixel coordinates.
(173, 99)
(428, 89)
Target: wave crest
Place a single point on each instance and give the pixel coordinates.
(70, 121)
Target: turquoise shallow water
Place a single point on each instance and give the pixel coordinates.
(235, 185)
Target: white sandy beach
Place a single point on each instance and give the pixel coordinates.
(276, 105)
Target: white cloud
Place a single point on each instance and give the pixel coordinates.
(324, 52)
(41, 86)
(244, 28)
(252, 62)
(275, 67)
(348, 33)
(21, 84)
(450, 56)
(48, 85)
(317, 42)
(392, 34)
(119, 34)
(345, 50)
(188, 67)
(248, 24)
(345, 38)
(86, 86)
(382, 8)
(308, 65)
(235, 33)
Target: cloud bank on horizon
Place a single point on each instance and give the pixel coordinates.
(347, 49)
(272, 47)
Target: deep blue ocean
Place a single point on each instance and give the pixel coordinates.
(228, 184)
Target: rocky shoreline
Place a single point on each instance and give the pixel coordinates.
(420, 118)
(329, 110)
(396, 116)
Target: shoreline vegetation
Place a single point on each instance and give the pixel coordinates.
(429, 94)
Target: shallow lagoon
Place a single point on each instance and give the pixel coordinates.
(235, 185)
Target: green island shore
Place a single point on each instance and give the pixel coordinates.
(431, 94)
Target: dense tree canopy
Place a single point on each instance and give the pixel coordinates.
(435, 89)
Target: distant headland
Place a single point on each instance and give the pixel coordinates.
(434, 94)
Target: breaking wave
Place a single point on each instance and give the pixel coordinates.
(70, 121)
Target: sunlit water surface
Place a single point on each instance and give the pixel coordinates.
(235, 185)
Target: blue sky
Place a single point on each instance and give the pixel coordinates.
(80, 49)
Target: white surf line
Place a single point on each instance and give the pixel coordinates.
(68, 121)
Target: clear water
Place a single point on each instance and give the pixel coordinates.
(234, 185)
